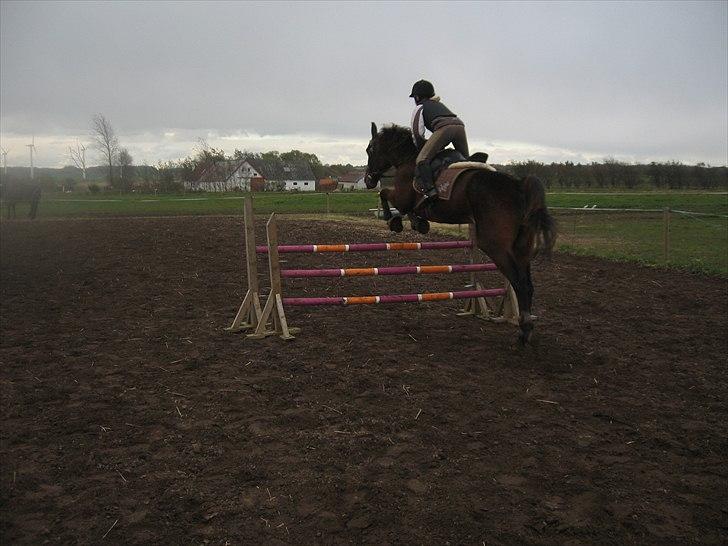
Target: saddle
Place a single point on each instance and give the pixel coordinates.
(449, 164)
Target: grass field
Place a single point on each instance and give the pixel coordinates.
(697, 243)
(75, 205)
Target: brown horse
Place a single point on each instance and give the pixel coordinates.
(512, 222)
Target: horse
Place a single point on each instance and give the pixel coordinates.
(512, 221)
(15, 192)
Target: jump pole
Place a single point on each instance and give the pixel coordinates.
(250, 311)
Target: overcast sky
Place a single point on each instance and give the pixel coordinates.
(552, 81)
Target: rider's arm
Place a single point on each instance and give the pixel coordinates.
(418, 127)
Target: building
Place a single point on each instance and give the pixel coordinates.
(353, 180)
(326, 185)
(255, 174)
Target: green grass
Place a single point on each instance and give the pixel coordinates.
(716, 202)
(79, 205)
(696, 243)
(85, 205)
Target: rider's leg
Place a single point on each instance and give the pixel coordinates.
(423, 173)
(426, 182)
(460, 139)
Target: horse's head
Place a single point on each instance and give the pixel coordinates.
(391, 147)
(377, 161)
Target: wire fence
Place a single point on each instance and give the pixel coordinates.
(676, 238)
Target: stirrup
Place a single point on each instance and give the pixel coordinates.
(425, 200)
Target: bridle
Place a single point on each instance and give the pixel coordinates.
(378, 174)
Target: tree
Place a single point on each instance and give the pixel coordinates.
(126, 169)
(296, 156)
(78, 156)
(105, 142)
(205, 156)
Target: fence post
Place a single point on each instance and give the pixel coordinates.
(250, 311)
(328, 208)
(666, 233)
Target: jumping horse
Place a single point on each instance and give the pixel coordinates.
(512, 222)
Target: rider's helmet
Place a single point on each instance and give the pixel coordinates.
(423, 89)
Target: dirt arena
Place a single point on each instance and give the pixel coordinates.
(129, 415)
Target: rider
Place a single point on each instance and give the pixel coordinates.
(445, 126)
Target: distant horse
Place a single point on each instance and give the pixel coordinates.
(15, 192)
(512, 222)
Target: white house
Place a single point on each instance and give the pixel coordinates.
(256, 174)
(353, 180)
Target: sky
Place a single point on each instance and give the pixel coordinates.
(549, 81)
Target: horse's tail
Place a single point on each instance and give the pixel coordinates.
(538, 224)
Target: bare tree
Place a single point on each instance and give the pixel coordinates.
(105, 142)
(125, 160)
(78, 156)
(126, 169)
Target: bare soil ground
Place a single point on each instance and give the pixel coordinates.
(128, 413)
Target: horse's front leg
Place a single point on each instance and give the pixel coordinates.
(383, 198)
(394, 221)
(419, 224)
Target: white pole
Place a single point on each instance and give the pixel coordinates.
(30, 146)
(83, 162)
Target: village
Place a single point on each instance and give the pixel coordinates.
(264, 174)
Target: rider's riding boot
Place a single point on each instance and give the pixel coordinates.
(423, 174)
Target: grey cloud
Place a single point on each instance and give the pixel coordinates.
(644, 79)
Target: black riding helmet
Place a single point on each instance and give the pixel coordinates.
(423, 89)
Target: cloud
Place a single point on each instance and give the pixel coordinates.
(598, 79)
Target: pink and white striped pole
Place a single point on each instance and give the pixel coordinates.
(367, 247)
(396, 298)
(398, 270)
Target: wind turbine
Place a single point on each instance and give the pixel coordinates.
(32, 149)
(5, 160)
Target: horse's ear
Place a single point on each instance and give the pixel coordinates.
(374, 130)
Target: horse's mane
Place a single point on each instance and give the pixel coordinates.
(397, 138)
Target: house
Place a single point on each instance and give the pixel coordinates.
(353, 180)
(255, 174)
(284, 175)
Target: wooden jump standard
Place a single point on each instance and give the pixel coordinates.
(251, 316)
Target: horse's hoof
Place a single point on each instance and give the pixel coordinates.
(525, 334)
(395, 224)
(420, 225)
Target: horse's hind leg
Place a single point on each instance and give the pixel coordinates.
(520, 279)
(33, 209)
(517, 271)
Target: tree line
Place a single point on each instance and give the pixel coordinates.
(120, 174)
(613, 174)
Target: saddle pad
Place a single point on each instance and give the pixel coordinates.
(471, 165)
(446, 181)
